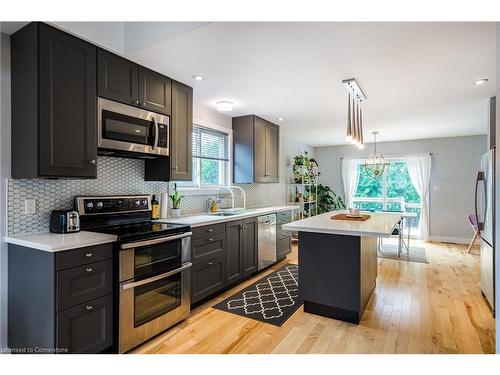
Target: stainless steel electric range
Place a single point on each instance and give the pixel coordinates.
(152, 265)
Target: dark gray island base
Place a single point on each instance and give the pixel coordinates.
(337, 274)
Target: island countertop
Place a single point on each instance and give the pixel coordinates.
(380, 224)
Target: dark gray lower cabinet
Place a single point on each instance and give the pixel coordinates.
(86, 328)
(208, 277)
(241, 248)
(249, 246)
(60, 302)
(283, 238)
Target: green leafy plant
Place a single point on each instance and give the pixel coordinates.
(176, 198)
(328, 200)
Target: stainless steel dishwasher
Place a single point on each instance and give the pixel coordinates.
(267, 241)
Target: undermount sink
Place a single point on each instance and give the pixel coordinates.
(230, 212)
(226, 213)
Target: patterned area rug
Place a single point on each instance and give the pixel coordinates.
(272, 299)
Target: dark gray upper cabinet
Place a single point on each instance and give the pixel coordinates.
(53, 104)
(118, 78)
(255, 150)
(181, 130)
(127, 82)
(155, 91)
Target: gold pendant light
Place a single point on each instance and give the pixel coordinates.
(375, 164)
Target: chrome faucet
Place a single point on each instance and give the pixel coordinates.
(229, 188)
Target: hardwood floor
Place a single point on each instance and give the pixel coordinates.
(416, 308)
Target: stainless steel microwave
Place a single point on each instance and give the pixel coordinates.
(131, 131)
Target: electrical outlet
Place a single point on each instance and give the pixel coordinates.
(30, 206)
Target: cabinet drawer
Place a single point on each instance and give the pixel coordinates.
(208, 230)
(85, 255)
(86, 328)
(284, 216)
(80, 284)
(283, 247)
(208, 277)
(208, 247)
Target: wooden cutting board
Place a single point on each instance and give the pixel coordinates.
(345, 217)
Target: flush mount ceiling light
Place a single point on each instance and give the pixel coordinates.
(375, 164)
(355, 96)
(197, 77)
(280, 119)
(481, 81)
(225, 105)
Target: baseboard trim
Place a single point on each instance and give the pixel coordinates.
(459, 240)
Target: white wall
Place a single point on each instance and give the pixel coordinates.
(455, 162)
(4, 174)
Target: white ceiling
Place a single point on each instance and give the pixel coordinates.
(417, 76)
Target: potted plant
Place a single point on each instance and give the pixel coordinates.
(328, 200)
(176, 202)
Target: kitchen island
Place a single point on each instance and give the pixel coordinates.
(338, 262)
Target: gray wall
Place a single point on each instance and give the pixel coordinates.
(455, 162)
(4, 174)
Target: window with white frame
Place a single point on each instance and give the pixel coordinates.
(210, 158)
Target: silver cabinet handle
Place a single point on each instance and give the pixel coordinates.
(156, 133)
(90, 269)
(210, 230)
(88, 255)
(92, 161)
(143, 104)
(133, 284)
(89, 307)
(155, 241)
(136, 102)
(210, 239)
(210, 264)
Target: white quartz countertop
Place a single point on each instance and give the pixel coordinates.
(380, 224)
(53, 242)
(205, 219)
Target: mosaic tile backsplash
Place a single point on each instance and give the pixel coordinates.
(114, 176)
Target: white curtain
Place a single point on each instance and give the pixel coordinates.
(350, 177)
(419, 169)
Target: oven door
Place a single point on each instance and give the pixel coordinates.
(128, 129)
(155, 287)
(152, 305)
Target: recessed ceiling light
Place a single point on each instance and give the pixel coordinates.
(280, 119)
(225, 105)
(481, 81)
(197, 77)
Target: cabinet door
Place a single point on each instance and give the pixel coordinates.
(272, 152)
(67, 105)
(249, 246)
(86, 328)
(208, 277)
(260, 174)
(155, 91)
(234, 259)
(181, 153)
(117, 78)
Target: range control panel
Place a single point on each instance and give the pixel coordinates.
(112, 204)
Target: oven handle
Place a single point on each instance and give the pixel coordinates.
(154, 241)
(156, 278)
(156, 134)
